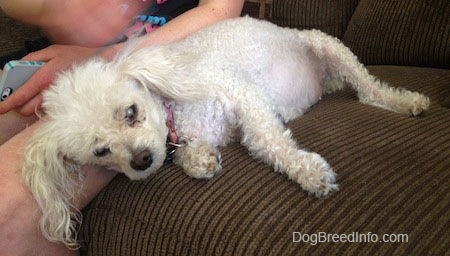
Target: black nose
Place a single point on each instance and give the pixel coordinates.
(141, 160)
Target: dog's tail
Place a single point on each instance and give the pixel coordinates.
(344, 68)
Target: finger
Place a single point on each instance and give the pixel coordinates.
(39, 81)
(32, 106)
(14, 101)
(45, 54)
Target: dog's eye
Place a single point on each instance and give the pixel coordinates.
(100, 152)
(131, 113)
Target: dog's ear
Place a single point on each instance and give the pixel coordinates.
(52, 179)
(164, 73)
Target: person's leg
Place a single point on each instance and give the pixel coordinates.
(19, 214)
(12, 123)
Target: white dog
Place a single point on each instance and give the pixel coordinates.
(237, 80)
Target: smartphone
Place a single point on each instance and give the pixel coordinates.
(15, 74)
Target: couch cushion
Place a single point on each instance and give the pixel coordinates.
(402, 32)
(330, 16)
(393, 173)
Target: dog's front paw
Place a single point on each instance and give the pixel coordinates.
(314, 175)
(199, 160)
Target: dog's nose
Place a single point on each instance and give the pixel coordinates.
(141, 160)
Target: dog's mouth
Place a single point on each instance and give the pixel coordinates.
(141, 160)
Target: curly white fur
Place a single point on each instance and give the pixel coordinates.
(239, 79)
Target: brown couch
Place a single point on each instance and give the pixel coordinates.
(393, 170)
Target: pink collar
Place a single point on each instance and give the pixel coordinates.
(170, 122)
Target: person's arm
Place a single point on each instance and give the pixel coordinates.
(207, 12)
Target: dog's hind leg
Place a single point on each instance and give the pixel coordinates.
(342, 65)
(267, 139)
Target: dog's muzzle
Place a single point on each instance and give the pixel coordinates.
(141, 160)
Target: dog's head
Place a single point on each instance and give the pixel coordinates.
(96, 115)
(110, 113)
(101, 113)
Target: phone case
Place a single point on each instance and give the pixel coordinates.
(15, 74)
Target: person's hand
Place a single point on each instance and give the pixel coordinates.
(28, 97)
